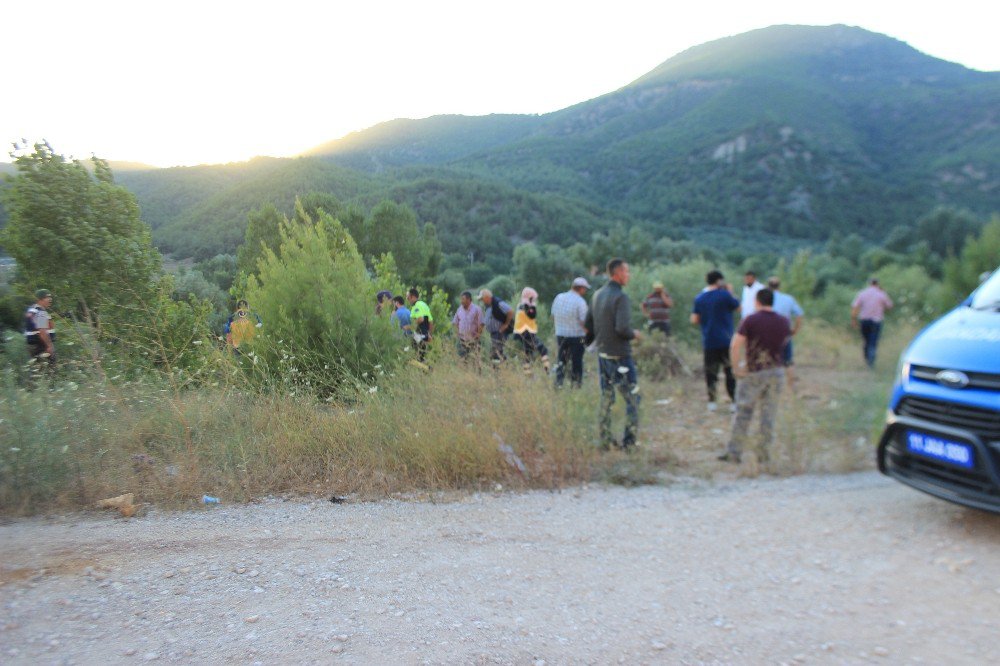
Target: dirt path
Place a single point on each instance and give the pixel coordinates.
(835, 569)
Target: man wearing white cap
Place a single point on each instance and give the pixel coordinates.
(569, 312)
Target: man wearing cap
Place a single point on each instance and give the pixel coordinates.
(499, 321)
(39, 332)
(656, 308)
(610, 320)
(569, 313)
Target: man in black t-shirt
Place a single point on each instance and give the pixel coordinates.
(757, 356)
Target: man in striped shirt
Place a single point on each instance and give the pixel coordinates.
(656, 308)
(569, 312)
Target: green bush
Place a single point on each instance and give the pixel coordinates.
(318, 306)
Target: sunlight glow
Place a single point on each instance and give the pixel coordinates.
(193, 82)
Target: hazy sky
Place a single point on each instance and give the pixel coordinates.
(184, 82)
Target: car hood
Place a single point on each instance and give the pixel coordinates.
(964, 339)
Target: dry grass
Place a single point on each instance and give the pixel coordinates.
(70, 445)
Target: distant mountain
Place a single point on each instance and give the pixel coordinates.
(791, 133)
(435, 140)
(803, 131)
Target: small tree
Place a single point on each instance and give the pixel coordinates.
(979, 255)
(318, 305)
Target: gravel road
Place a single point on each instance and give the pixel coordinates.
(832, 569)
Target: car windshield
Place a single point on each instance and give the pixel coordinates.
(987, 297)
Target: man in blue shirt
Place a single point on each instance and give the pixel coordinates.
(713, 311)
(401, 314)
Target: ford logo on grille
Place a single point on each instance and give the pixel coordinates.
(952, 378)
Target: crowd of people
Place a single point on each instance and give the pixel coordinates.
(756, 357)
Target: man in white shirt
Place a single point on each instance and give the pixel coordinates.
(569, 312)
(748, 300)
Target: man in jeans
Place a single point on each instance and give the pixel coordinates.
(499, 321)
(757, 354)
(468, 323)
(610, 320)
(569, 313)
(869, 306)
(713, 311)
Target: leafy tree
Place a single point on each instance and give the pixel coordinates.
(547, 268)
(945, 230)
(800, 278)
(77, 233)
(314, 202)
(263, 232)
(393, 228)
(979, 255)
(219, 270)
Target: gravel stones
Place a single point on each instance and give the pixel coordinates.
(775, 571)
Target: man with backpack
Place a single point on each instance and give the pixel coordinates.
(39, 333)
(499, 321)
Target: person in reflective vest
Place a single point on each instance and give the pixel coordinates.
(241, 328)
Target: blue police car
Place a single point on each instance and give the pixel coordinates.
(942, 434)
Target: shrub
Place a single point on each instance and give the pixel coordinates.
(318, 308)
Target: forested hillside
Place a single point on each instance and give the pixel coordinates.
(787, 135)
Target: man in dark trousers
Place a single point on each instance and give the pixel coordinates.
(610, 321)
(569, 314)
(39, 333)
(758, 355)
(713, 311)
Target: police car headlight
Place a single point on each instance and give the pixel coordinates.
(902, 369)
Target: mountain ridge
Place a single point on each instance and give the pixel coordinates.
(791, 131)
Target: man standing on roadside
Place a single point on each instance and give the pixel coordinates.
(422, 323)
(499, 320)
(656, 308)
(789, 308)
(468, 323)
(748, 299)
(39, 332)
(610, 320)
(869, 307)
(757, 353)
(569, 313)
(713, 311)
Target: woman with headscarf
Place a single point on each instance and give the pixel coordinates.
(526, 328)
